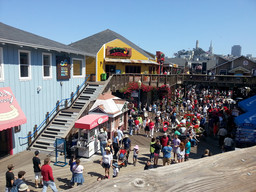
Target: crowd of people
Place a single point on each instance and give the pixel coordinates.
(192, 114)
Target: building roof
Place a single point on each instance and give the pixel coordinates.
(179, 61)
(92, 44)
(108, 104)
(19, 37)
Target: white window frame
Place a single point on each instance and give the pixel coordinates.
(50, 56)
(2, 64)
(29, 65)
(83, 69)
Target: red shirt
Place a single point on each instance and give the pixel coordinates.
(164, 141)
(46, 172)
(151, 125)
(137, 122)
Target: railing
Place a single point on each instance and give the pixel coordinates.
(121, 80)
(55, 110)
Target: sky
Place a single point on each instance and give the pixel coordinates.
(160, 25)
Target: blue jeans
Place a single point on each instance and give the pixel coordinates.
(130, 130)
(103, 145)
(51, 184)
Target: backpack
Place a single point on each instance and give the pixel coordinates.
(16, 187)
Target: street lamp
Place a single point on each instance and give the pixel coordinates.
(139, 105)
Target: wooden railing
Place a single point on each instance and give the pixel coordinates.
(119, 81)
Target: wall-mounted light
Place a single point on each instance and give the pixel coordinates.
(38, 89)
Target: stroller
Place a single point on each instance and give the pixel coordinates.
(122, 159)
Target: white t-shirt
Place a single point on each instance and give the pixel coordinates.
(120, 134)
(107, 158)
(78, 169)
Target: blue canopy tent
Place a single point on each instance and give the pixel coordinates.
(248, 104)
(246, 131)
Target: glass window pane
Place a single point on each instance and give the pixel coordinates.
(24, 71)
(77, 67)
(23, 58)
(46, 71)
(47, 60)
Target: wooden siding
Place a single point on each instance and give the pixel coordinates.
(90, 65)
(35, 104)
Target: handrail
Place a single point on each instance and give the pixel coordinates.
(54, 110)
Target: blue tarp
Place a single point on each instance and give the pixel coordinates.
(248, 104)
(246, 131)
(247, 120)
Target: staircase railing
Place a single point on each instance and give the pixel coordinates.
(54, 111)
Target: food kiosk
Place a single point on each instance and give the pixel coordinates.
(89, 127)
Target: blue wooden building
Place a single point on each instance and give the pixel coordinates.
(39, 72)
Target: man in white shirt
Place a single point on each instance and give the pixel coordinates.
(120, 135)
(222, 134)
(228, 143)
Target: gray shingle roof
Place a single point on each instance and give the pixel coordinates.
(16, 36)
(92, 44)
(175, 60)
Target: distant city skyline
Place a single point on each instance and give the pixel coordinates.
(167, 26)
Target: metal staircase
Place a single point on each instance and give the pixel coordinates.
(64, 120)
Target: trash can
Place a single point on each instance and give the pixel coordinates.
(93, 77)
(103, 76)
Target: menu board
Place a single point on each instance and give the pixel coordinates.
(63, 67)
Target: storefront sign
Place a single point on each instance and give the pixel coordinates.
(63, 68)
(118, 51)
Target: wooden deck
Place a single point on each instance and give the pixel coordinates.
(232, 171)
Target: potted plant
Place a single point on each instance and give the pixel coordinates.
(145, 77)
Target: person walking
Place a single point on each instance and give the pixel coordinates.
(222, 134)
(152, 148)
(106, 161)
(187, 149)
(181, 152)
(78, 173)
(102, 137)
(151, 127)
(127, 146)
(135, 154)
(37, 170)
(157, 152)
(48, 180)
(9, 177)
(176, 143)
(19, 182)
(120, 135)
(115, 144)
(130, 125)
(167, 154)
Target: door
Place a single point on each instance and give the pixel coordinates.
(5, 142)
(110, 69)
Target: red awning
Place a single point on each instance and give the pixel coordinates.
(90, 121)
(11, 114)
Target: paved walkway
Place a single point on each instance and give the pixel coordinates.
(62, 175)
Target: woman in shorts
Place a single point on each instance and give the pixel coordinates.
(106, 161)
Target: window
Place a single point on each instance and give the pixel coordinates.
(223, 72)
(1, 65)
(47, 65)
(25, 65)
(77, 67)
(132, 69)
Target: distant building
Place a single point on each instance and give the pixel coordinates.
(236, 50)
(237, 66)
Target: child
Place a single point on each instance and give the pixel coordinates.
(115, 169)
(135, 154)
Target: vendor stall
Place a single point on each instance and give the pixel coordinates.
(89, 126)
